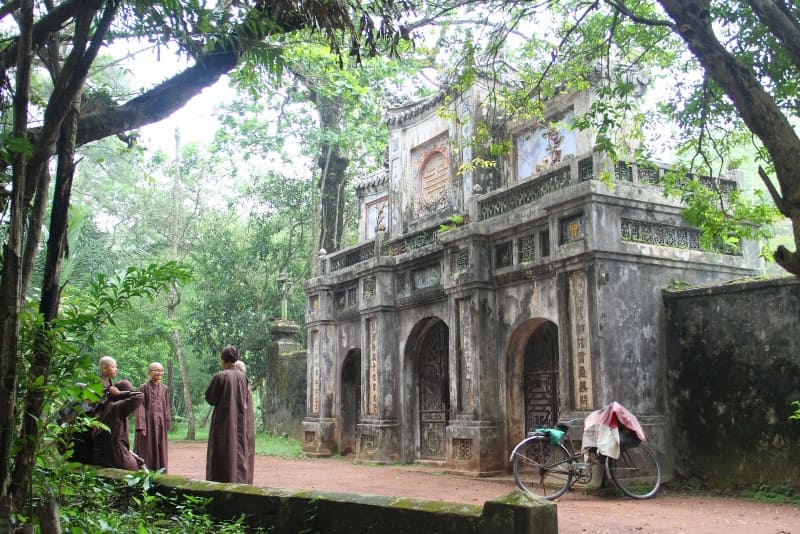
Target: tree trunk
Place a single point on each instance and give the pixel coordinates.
(187, 398)
(48, 308)
(48, 517)
(174, 297)
(333, 166)
(12, 262)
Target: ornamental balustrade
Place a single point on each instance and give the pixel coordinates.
(352, 256)
(669, 236)
(411, 242)
(573, 172)
(525, 193)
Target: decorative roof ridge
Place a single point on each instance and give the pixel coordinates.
(405, 112)
(376, 178)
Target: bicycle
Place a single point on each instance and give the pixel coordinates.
(544, 466)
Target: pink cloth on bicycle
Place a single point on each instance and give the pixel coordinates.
(601, 428)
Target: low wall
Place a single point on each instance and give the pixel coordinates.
(733, 363)
(289, 511)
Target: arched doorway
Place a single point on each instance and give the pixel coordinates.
(532, 378)
(434, 392)
(350, 404)
(540, 377)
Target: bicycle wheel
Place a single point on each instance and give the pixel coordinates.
(541, 468)
(636, 472)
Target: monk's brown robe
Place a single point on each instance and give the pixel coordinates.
(112, 449)
(231, 440)
(251, 434)
(154, 416)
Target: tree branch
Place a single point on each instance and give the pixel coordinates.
(52, 22)
(781, 26)
(776, 197)
(621, 8)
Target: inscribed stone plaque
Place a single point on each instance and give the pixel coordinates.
(464, 340)
(581, 349)
(313, 348)
(372, 337)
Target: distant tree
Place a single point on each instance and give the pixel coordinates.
(65, 39)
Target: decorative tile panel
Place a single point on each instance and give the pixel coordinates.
(369, 442)
(571, 229)
(648, 175)
(368, 287)
(526, 247)
(623, 171)
(427, 277)
(411, 242)
(462, 448)
(459, 261)
(503, 255)
(586, 169)
(421, 298)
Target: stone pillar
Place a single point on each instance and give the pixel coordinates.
(475, 433)
(379, 428)
(319, 425)
(285, 404)
(475, 440)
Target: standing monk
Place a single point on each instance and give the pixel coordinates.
(111, 448)
(251, 419)
(231, 446)
(153, 420)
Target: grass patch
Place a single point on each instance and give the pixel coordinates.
(266, 444)
(773, 494)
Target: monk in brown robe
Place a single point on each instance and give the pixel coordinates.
(231, 443)
(111, 448)
(153, 421)
(239, 365)
(82, 440)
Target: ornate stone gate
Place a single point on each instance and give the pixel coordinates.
(489, 301)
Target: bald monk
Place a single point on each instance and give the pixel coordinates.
(231, 440)
(111, 448)
(108, 370)
(153, 420)
(82, 440)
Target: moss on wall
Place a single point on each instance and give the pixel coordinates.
(734, 369)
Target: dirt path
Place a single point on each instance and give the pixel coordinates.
(577, 513)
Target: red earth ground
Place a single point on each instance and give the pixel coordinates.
(577, 512)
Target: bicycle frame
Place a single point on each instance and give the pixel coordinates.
(550, 461)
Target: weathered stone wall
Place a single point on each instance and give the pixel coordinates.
(733, 359)
(287, 511)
